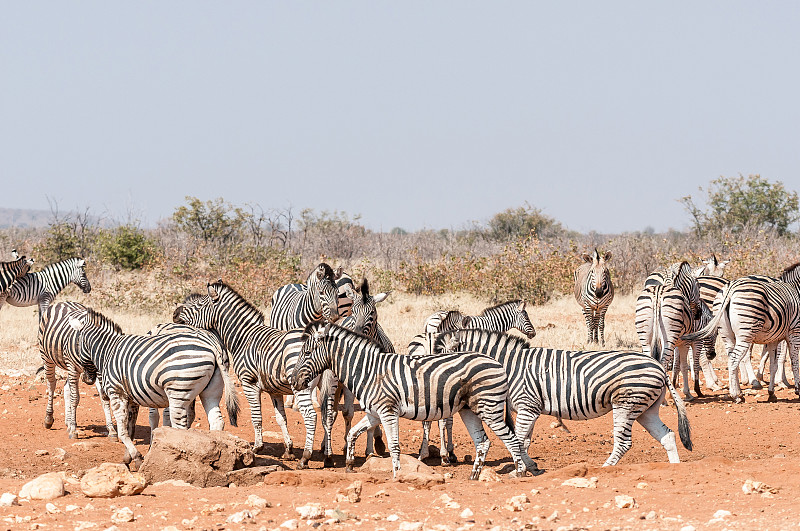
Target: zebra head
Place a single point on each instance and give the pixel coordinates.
(712, 267)
(314, 357)
(79, 275)
(323, 289)
(449, 341)
(683, 278)
(599, 275)
(197, 310)
(522, 322)
(364, 310)
(84, 357)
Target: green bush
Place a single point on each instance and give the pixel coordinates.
(127, 247)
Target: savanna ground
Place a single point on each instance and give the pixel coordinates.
(732, 443)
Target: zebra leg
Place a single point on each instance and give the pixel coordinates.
(526, 419)
(280, 418)
(424, 452)
(769, 352)
(696, 354)
(121, 410)
(329, 398)
(369, 420)
(601, 325)
(494, 418)
(479, 438)
(762, 364)
(305, 403)
(179, 412)
(133, 415)
(587, 315)
(781, 376)
(50, 376)
(683, 368)
(747, 364)
(712, 381)
(380, 446)
(253, 395)
(451, 455)
(624, 415)
(72, 398)
(210, 397)
(112, 429)
(391, 423)
(793, 342)
(650, 420)
(734, 357)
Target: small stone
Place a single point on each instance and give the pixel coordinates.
(410, 526)
(466, 514)
(688, 528)
(8, 499)
(189, 523)
(581, 483)
(122, 515)
(110, 480)
(534, 491)
(42, 453)
(240, 517)
(216, 508)
(84, 446)
(489, 476)
(336, 515)
(448, 475)
(623, 501)
(60, 454)
(553, 517)
(311, 511)
(651, 515)
(290, 524)
(257, 502)
(71, 508)
(516, 503)
(392, 518)
(351, 493)
(721, 514)
(51, 508)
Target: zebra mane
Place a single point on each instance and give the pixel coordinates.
(513, 341)
(99, 320)
(789, 270)
(486, 311)
(192, 297)
(334, 330)
(50, 267)
(246, 303)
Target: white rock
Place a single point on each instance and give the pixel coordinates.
(516, 503)
(51, 508)
(240, 517)
(722, 513)
(581, 483)
(257, 501)
(392, 518)
(290, 524)
(311, 511)
(642, 485)
(534, 491)
(688, 528)
(122, 515)
(80, 526)
(71, 508)
(8, 499)
(623, 501)
(466, 513)
(410, 526)
(553, 517)
(651, 515)
(489, 476)
(45, 487)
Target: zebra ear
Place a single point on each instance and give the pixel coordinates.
(14, 254)
(76, 324)
(586, 257)
(465, 321)
(338, 273)
(81, 263)
(213, 294)
(380, 297)
(350, 292)
(607, 256)
(521, 307)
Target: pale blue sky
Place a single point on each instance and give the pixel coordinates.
(412, 114)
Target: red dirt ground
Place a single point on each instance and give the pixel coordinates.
(733, 443)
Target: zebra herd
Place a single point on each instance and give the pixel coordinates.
(324, 336)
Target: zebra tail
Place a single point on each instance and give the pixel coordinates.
(712, 325)
(655, 349)
(684, 429)
(231, 396)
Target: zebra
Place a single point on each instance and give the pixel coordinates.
(594, 292)
(581, 386)
(664, 315)
(58, 345)
(391, 385)
(499, 318)
(11, 271)
(156, 371)
(263, 359)
(711, 267)
(343, 280)
(42, 287)
(363, 319)
(298, 305)
(753, 310)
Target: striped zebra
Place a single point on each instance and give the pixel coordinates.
(298, 305)
(263, 359)
(581, 386)
(751, 310)
(165, 370)
(594, 292)
(343, 280)
(390, 386)
(11, 271)
(58, 346)
(42, 286)
(500, 318)
(363, 319)
(664, 314)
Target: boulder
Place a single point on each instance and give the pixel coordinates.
(110, 480)
(202, 458)
(244, 477)
(45, 487)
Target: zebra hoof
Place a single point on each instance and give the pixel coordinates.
(135, 464)
(739, 399)
(452, 457)
(113, 437)
(755, 384)
(349, 468)
(48, 421)
(302, 464)
(327, 462)
(288, 455)
(445, 461)
(772, 398)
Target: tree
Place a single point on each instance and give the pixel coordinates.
(212, 221)
(127, 247)
(519, 222)
(738, 202)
